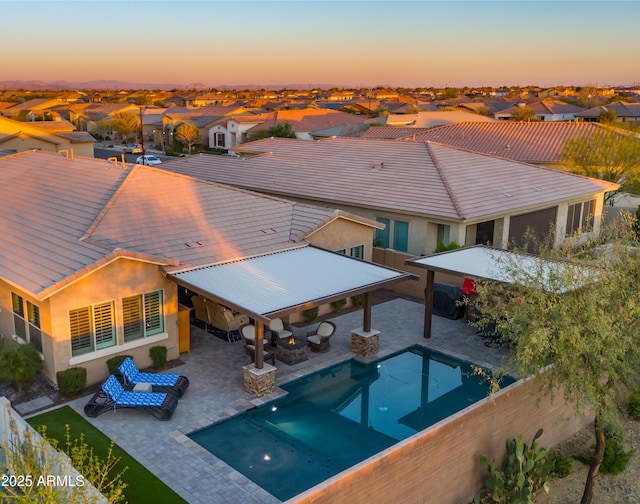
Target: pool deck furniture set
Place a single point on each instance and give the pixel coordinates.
(288, 348)
(138, 392)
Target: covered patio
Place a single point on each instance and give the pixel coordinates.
(496, 265)
(275, 285)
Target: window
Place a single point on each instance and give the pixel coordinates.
(342, 251)
(382, 235)
(357, 251)
(219, 140)
(142, 315)
(92, 328)
(580, 216)
(26, 328)
(444, 233)
(400, 236)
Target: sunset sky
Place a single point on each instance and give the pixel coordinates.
(359, 43)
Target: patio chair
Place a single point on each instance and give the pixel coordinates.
(278, 328)
(166, 382)
(267, 356)
(112, 396)
(319, 339)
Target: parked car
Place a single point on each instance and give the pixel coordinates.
(148, 160)
(133, 149)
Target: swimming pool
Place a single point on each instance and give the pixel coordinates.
(337, 417)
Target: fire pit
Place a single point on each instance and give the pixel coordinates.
(291, 350)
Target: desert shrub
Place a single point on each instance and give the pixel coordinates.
(524, 470)
(633, 406)
(338, 305)
(310, 314)
(562, 465)
(19, 364)
(158, 356)
(72, 381)
(615, 458)
(114, 362)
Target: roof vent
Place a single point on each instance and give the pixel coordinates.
(378, 166)
(508, 195)
(269, 231)
(194, 244)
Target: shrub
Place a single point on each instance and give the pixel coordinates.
(633, 406)
(523, 471)
(338, 305)
(562, 465)
(615, 458)
(310, 314)
(72, 381)
(19, 364)
(441, 247)
(114, 362)
(357, 300)
(159, 356)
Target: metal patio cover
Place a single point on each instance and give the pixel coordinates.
(278, 284)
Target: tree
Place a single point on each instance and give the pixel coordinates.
(125, 123)
(608, 155)
(284, 130)
(448, 93)
(579, 321)
(188, 134)
(608, 117)
(523, 114)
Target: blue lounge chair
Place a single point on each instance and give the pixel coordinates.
(113, 395)
(173, 383)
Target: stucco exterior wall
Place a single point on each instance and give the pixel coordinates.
(442, 463)
(21, 144)
(343, 234)
(117, 280)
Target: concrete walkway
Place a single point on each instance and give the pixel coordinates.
(214, 369)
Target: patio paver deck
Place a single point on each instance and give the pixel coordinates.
(214, 369)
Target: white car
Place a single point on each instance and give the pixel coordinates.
(148, 160)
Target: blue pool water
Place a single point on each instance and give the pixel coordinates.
(337, 417)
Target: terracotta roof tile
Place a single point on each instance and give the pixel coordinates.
(409, 177)
(534, 142)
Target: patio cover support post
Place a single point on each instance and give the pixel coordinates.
(366, 313)
(259, 345)
(428, 303)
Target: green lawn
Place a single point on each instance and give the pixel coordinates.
(142, 486)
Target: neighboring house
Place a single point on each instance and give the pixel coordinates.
(33, 107)
(423, 192)
(88, 249)
(545, 110)
(305, 122)
(52, 136)
(432, 119)
(231, 131)
(530, 142)
(204, 118)
(626, 112)
(96, 117)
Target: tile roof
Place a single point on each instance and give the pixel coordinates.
(64, 217)
(621, 109)
(411, 177)
(392, 132)
(531, 142)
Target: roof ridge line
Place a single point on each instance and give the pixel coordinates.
(445, 182)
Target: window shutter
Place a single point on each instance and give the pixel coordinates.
(80, 329)
(154, 322)
(104, 327)
(132, 318)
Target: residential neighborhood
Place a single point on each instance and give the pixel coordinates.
(248, 249)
